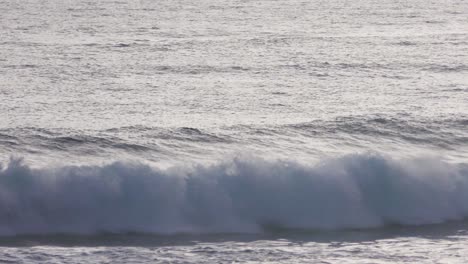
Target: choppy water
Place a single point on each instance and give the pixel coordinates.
(263, 131)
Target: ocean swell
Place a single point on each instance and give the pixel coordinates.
(244, 194)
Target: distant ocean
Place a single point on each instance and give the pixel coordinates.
(240, 131)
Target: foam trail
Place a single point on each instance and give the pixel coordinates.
(235, 195)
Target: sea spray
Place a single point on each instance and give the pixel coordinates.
(241, 195)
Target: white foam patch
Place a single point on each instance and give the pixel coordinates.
(235, 195)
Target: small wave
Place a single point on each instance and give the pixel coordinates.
(406, 43)
(122, 45)
(77, 141)
(199, 69)
(446, 68)
(69, 143)
(188, 134)
(443, 132)
(242, 195)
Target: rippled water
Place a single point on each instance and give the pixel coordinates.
(236, 119)
(437, 244)
(168, 79)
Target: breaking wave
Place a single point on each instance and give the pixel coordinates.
(245, 195)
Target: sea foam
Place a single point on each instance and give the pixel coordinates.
(244, 194)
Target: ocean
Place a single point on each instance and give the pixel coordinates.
(241, 131)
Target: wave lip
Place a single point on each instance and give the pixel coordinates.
(242, 195)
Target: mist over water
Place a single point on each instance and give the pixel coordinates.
(263, 119)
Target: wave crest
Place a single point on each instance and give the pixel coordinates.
(235, 195)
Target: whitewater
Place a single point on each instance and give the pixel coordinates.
(241, 196)
(233, 131)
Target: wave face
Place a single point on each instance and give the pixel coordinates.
(236, 195)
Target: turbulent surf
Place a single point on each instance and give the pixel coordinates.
(242, 131)
(241, 195)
